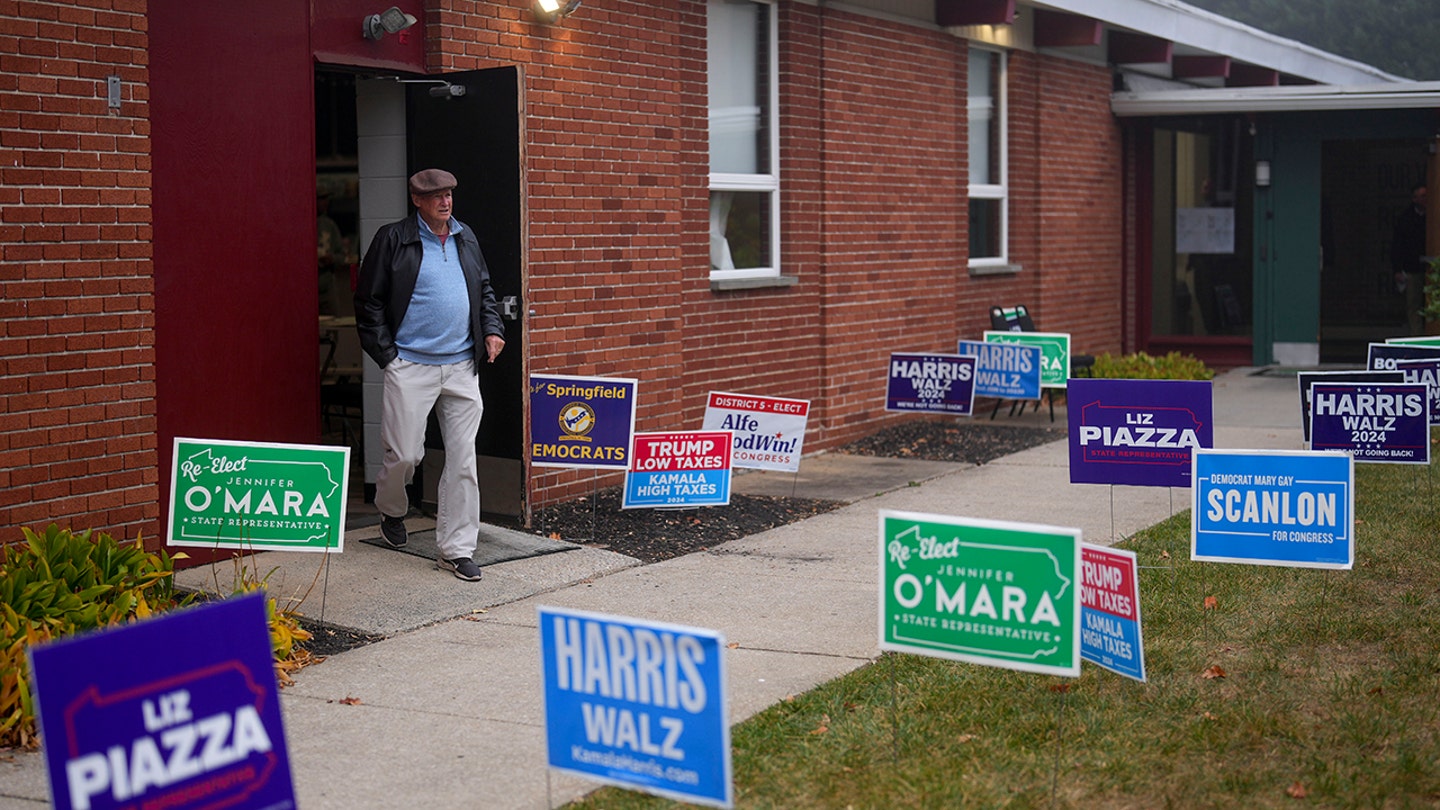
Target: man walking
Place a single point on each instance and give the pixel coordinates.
(426, 315)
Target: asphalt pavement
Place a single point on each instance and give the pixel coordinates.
(447, 710)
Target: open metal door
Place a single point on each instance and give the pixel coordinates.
(475, 134)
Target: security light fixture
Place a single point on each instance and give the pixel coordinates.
(390, 21)
(554, 10)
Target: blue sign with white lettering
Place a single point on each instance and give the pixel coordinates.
(1291, 508)
(177, 711)
(1387, 423)
(1005, 370)
(637, 704)
(1137, 432)
(931, 383)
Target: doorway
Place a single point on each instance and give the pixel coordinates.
(1365, 184)
(372, 132)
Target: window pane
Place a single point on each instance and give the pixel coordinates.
(740, 230)
(985, 228)
(984, 123)
(1200, 280)
(739, 75)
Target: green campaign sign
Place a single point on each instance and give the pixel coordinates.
(258, 496)
(1054, 353)
(988, 592)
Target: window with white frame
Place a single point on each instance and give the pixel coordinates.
(744, 140)
(987, 113)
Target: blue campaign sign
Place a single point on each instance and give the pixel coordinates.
(179, 711)
(581, 421)
(1305, 379)
(931, 383)
(1137, 432)
(1382, 356)
(1110, 610)
(1277, 507)
(1385, 423)
(637, 704)
(1005, 370)
(1424, 372)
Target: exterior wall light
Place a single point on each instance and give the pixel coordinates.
(390, 21)
(555, 10)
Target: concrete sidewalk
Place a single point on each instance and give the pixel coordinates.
(449, 710)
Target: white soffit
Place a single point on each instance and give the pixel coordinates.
(1389, 96)
(1193, 29)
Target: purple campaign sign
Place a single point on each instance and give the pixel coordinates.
(931, 383)
(180, 711)
(1387, 423)
(1137, 432)
(581, 421)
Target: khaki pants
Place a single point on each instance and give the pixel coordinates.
(411, 390)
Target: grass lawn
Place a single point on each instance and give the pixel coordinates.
(1330, 696)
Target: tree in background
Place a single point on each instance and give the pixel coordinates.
(1398, 36)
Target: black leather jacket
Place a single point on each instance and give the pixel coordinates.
(387, 280)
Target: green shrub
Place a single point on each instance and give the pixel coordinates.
(1141, 366)
(58, 584)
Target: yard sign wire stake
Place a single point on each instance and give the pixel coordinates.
(894, 712)
(1059, 744)
(1112, 514)
(325, 583)
(594, 504)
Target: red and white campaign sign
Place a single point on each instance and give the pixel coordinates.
(769, 431)
(679, 469)
(1110, 610)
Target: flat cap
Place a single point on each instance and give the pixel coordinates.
(430, 181)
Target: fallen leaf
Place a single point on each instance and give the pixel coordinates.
(554, 535)
(1062, 688)
(964, 738)
(1164, 555)
(1211, 603)
(824, 725)
(733, 645)
(350, 701)
(1379, 690)
(820, 730)
(1213, 672)
(1208, 716)
(1296, 791)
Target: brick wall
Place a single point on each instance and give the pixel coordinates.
(77, 387)
(1078, 156)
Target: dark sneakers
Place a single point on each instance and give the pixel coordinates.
(462, 567)
(392, 531)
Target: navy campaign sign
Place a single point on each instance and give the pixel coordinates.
(1388, 423)
(1305, 379)
(931, 383)
(1137, 432)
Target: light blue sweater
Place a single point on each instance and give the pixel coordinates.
(436, 329)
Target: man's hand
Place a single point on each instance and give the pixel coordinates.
(493, 345)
